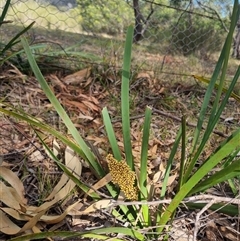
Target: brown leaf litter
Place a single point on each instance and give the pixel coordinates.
(32, 172)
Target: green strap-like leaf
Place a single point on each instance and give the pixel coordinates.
(125, 98)
(228, 148)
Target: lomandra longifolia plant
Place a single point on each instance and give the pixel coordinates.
(192, 179)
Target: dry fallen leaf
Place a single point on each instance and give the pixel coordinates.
(78, 77)
(101, 183)
(58, 83)
(14, 181)
(7, 226)
(13, 197)
(101, 204)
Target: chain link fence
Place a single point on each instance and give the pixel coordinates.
(176, 36)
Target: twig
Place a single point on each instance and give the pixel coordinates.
(197, 223)
(117, 119)
(181, 9)
(5, 21)
(188, 123)
(195, 199)
(214, 12)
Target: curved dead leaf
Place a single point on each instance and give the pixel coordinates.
(17, 208)
(10, 197)
(32, 222)
(7, 226)
(91, 105)
(63, 189)
(14, 181)
(58, 197)
(74, 164)
(10, 228)
(101, 183)
(78, 77)
(16, 214)
(101, 204)
(63, 180)
(52, 219)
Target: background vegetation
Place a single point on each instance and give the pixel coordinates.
(176, 28)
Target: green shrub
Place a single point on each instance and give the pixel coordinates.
(195, 33)
(110, 17)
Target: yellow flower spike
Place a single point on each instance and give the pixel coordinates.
(123, 176)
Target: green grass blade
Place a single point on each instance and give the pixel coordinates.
(205, 103)
(231, 158)
(143, 167)
(225, 89)
(4, 12)
(90, 234)
(125, 98)
(212, 124)
(111, 135)
(228, 148)
(233, 183)
(144, 154)
(169, 163)
(13, 54)
(233, 186)
(228, 43)
(80, 184)
(223, 59)
(183, 153)
(223, 208)
(231, 171)
(34, 122)
(17, 36)
(167, 173)
(62, 113)
(75, 54)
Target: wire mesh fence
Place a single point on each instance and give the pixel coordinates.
(176, 36)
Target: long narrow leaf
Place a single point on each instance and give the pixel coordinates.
(212, 124)
(231, 144)
(170, 162)
(143, 171)
(111, 135)
(78, 182)
(125, 98)
(229, 209)
(34, 122)
(183, 153)
(212, 119)
(71, 234)
(144, 154)
(207, 81)
(4, 12)
(206, 101)
(17, 36)
(62, 113)
(231, 171)
(228, 43)
(13, 54)
(167, 172)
